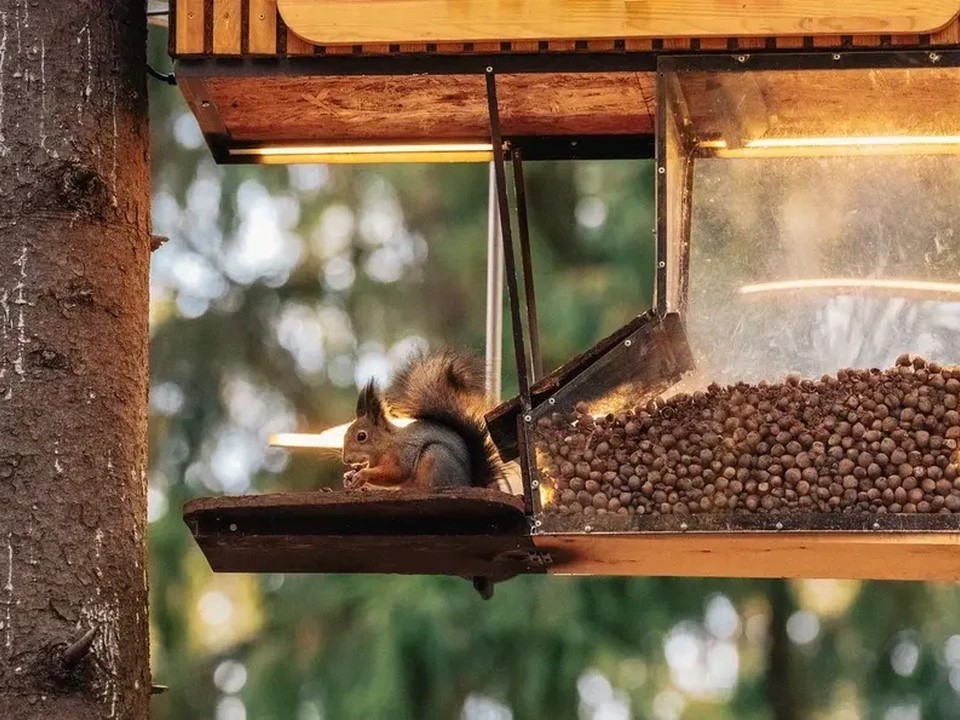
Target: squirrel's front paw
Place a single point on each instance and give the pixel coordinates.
(358, 479)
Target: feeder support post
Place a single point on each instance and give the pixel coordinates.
(494, 340)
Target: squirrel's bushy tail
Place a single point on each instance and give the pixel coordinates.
(447, 387)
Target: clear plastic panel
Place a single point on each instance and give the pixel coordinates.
(820, 298)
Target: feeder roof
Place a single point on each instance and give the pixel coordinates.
(335, 80)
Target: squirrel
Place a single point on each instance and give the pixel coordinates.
(446, 445)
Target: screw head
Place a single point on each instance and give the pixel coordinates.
(741, 58)
(489, 68)
(779, 526)
(876, 526)
(836, 56)
(661, 264)
(588, 528)
(538, 523)
(934, 57)
(534, 484)
(683, 526)
(552, 401)
(627, 343)
(233, 527)
(205, 103)
(661, 169)
(527, 418)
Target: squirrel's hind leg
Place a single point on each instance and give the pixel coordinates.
(438, 468)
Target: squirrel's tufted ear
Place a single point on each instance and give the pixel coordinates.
(370, 404)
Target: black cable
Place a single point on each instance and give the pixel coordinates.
(170, 79)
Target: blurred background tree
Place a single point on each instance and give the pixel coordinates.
(283, 288)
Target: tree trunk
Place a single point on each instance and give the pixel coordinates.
(74, 257)
(782, 695)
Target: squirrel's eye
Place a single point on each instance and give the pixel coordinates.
(362, 435)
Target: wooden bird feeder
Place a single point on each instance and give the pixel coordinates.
(775, 125)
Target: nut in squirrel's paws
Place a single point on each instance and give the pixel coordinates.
(355, 478)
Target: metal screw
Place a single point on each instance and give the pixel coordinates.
(628, 343)
(573, 143)
(489, 68)
(538, 523)
(741, 58)
(779, 526)
(661, 264)
(527, 418)
(836, 56)
(205, 103)
(661, 169)
(683, 526)
(233, 527)
(876, 526)
(934, 57)
(587, 528)
(552, 401)
(534, 484)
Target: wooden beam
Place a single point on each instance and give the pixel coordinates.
(853, 555)
(398, 21)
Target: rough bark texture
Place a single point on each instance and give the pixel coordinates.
(74, 255)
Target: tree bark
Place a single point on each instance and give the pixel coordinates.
(74, 258)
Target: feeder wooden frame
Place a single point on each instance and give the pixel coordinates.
(253, 81)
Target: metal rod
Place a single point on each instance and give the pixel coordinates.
(509, 255)
(494, 344)
(533, 327)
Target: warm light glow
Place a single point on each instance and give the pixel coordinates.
(937, 289)
(853, 144)
(330, 439)
(413, 152)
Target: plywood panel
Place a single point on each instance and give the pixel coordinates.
(360, 21)
(354, 109)
(864, 556)
(226, 27)
(190, 21)
(263, 26)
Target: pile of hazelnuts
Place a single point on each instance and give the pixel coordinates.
(859, 441)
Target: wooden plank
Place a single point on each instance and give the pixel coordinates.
(460, 511)
(950, 35)
(470, 532)
(713, 44)
(226, 27)
(189, 21)
(789, 43)
(263, 27)
(296, 45)
(827, 41)
(861, 556)
(350, 21)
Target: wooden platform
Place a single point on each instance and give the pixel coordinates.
(482, 533)
(473, 533)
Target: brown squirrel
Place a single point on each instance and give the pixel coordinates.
(446, 445)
